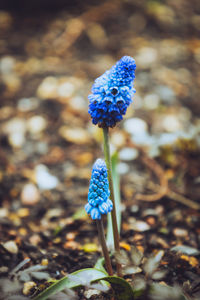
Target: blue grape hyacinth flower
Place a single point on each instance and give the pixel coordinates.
(98, 196)
(112, 93)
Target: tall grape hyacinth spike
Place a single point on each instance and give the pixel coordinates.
(98, 196)
(112, 93)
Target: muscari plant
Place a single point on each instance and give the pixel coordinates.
(111, 95)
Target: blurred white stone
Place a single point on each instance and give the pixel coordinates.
(16, 139)
(151, 101)
(27, 104)
(3, 212)
(146, 57)
(11, 247)
(15, 125)
(144, 139)
(44, 179)
(128, 154)
(135, 126)
(48, 88)
(36, 124)
(78, 103)
(66, 89)
(180, 232)
(15, 129)
(42, 148)
(30, 194)
(186, 250)
(122, 168)
(138, 225)
(76, 135)
(167, 139)
(170, 123)
(7, 64)
(185, 115)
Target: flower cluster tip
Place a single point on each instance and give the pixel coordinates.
(98, 196)
(112, 93)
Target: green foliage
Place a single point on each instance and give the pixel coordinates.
(100, 264)
(88, 277)
(122, 289)
(65, 282)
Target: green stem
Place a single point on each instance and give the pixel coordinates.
(113, 212)
(104, 247)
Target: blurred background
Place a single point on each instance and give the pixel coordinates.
(51, 52)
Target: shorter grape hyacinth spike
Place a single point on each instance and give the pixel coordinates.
(112, 93)
(98, 196)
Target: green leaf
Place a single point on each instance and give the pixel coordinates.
(65, 282)
(116, 188)
(100, 264)
(122, 289)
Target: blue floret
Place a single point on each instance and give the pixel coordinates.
(112, 93)
(98, 196)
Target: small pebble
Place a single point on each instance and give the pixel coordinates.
(66, 89)
(22, 231)
(170, 123)
(151, 221)
(48, 88)
(30, 194)
(44, 262)
(71, 245)
(75, 135)
(186, 250)
(139, 226)
(128, 154)
(7, 64)
(16, 129)
(149, 212)
(91, 292)
(28, 286)
(134, 208)
(11, 247)
(23, 212)
(167, 139)
(180, 232)
(27, 104)
(135, 126)
(3, 270)
(44, 179)
(144, 139)
(14, 125)
(147, 56)
(3, 212)
(36, 124)
(78, 103)
(151, 101)
(70, 236)
(35, 239)
(16, 139)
